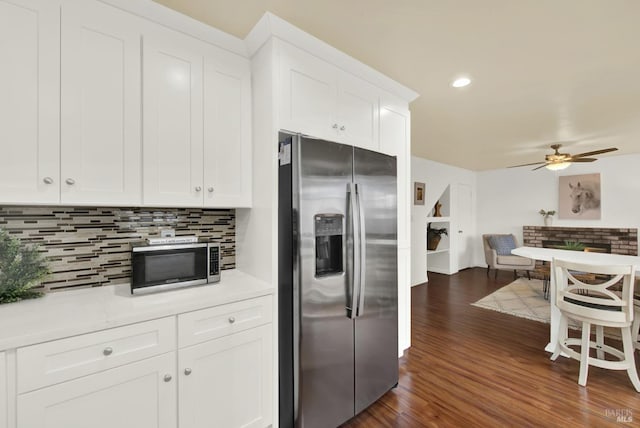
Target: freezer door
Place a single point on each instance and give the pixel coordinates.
(376, 323)
(326, 390)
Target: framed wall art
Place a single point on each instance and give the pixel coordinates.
(579, 197)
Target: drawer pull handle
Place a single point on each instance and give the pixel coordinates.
(167, 378)
(232, 320)
(187, 371)
(108, 351)
(70, 181)
(48, 180)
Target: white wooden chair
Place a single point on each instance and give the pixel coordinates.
(601, 307)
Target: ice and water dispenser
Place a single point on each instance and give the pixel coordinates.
(329, 232)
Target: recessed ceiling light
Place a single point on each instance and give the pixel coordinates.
(461, 82)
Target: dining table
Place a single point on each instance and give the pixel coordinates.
(591, 258)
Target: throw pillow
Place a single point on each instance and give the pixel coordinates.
(503, 244)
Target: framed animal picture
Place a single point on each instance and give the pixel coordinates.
(579, 197)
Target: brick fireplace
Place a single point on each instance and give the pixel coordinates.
(614, 240)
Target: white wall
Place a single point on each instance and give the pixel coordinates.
(511, 198)
(436, 176)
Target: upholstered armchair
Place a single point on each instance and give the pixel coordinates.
(497, 254)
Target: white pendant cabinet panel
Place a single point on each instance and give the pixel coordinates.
(4, 389)
(29, 101)
(140, 395)
(227, 130)
(172, 119)
(100, 115)
(229, 382)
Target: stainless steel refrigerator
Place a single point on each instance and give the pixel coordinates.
(338, 289)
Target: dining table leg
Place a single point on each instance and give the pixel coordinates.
(555, 312)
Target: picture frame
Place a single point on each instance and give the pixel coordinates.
(418, 193)
(579, 197)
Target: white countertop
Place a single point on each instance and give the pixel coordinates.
(69, 313)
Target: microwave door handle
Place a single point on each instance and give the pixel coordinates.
(362, 253)
(354, 275)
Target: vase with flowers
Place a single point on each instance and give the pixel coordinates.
(547, 216)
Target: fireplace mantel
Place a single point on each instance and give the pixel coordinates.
(622, 240)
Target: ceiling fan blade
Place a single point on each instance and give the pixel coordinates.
(582, 160)
(541, 166)
(596, 152)
(525, 164)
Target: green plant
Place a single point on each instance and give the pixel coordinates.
(438, 232)
(21, 268)
(549, 213)
(573, 246)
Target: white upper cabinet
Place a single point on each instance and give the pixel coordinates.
(321, 100)
(29, 101)
(100, 116)
(227, 130)
(308, 98)
(172, 119)
(357, 112)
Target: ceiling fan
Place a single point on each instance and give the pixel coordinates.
(557, 160)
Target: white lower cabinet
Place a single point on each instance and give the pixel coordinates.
(136, 395)
(4, 414)
(227, 382)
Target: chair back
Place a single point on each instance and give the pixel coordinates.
(488, 256)
(608, 299)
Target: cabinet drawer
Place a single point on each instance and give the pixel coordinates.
(206, 324)
(61, 360)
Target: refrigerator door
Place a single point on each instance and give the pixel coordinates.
(326, 390)
(376, 323)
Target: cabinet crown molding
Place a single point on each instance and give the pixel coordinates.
(271, 25)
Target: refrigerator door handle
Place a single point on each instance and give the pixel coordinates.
(362, 253)
(354, 219)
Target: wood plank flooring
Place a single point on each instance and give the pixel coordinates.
(478, 368)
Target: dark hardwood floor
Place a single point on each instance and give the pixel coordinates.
(474, 367)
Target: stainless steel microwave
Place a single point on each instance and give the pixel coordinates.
(169, 266)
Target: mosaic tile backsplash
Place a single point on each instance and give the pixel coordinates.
(90, 247)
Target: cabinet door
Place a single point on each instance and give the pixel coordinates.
(134, 395)
(230, 380)
(308, 97)
(357, 112)
(395, 140)
(4, 414)
(100, 135)
(227, 130)
(172, 119)
(29, 101)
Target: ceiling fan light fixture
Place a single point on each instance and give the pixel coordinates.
(558, 166)
(461, 82)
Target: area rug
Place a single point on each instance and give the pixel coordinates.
(522, 298)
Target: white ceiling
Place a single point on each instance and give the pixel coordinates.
(543, 71)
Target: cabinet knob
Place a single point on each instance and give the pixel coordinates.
(232, 320)
(459, 231)
(210, 189)
(187, 371)
(70, 181)
(335, 126)
(167, 378)
(342, 128)
(48, 180)
(108, 351)
(198, 188)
